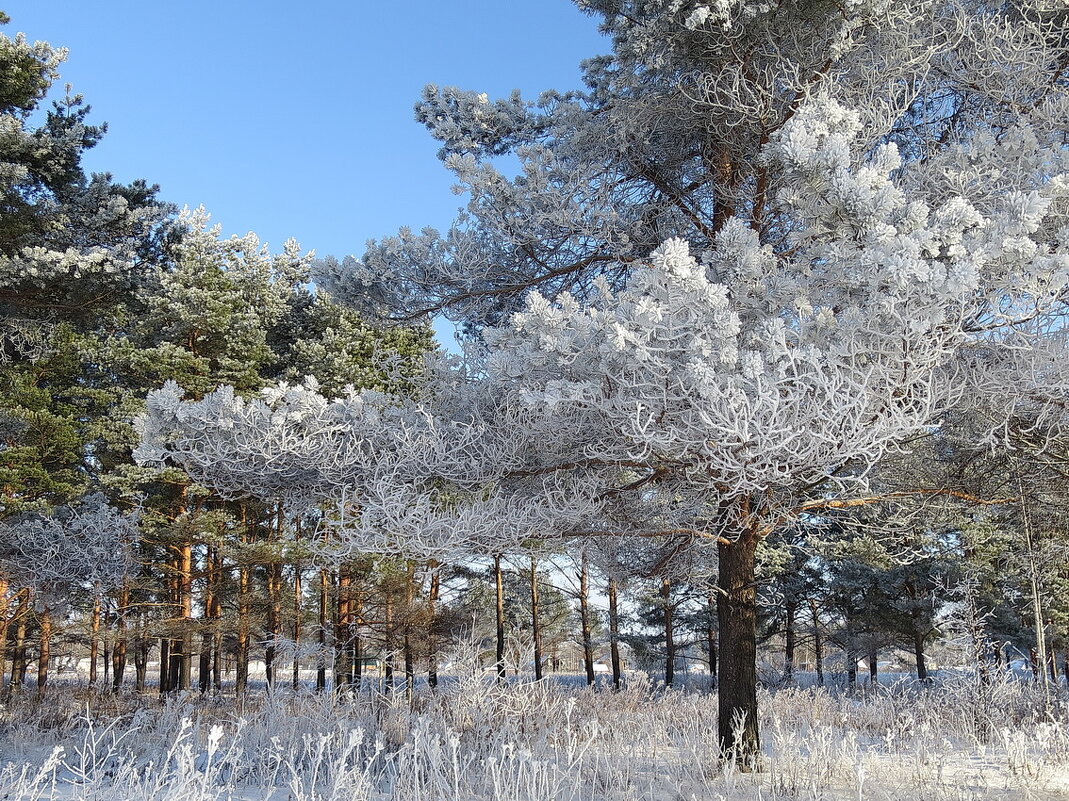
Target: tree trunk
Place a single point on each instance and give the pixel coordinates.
(185, 600)
(357, 614)
(94, 641)
(274, 618)
(241, 676)
(873, 666)
(918, 652)
(536, 623)
(387, 672)
(45, 653)
(118, 653)
(851, 651)
(499, 587)
(18, 657)
(410, 662)
(298, 609)
(105, 644)
(343, 654)
(584, 617)
(614, 635)
(711, 637)
(737, 618)
(324, 614)
(669, 633)
(818, 645)
(142, 646)
(165, 665)
(5, 624)
(432, 627)
(789, 641)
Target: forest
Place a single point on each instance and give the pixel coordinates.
(748, 479)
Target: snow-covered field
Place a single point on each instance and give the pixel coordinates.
(476, 740)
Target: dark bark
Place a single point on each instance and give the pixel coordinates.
(432, 630)
(614, 635)
(94, 641)
(851, 651)
(44, 654)
(165, 665)
(142, 647)
(818, 643)
(584, 617)
(737, 618)
(298, 609)
(536, 623)
(324, 614)
(789, 640)
(410, 661)
(241, 676)
(343, 654)
(118, 653)
(499, 587)
(873, 666)
(711, 637)
(918, 652)
(669, 633)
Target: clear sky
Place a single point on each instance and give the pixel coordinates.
(296, 120)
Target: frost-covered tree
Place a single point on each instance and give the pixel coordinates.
(70, 244)
(780, 227)
(84, 545)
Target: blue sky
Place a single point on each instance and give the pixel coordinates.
(292, 120)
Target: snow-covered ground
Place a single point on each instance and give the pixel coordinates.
(476, 740)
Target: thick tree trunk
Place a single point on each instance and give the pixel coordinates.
(737, 618)
(874, 669)
(668, 615)
(711, 637)
(499, 586)
(584, 618)
(614, 635)
(44, 655)
(536, 622)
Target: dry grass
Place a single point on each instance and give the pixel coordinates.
(476, 740)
